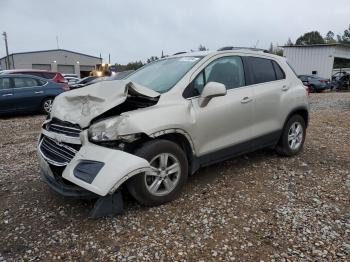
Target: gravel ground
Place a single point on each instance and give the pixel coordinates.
(256, 207)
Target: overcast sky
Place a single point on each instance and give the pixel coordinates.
(135, 29)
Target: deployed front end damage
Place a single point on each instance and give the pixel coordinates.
(74, 166)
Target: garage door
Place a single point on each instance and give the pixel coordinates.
(86, 68)
(42, 66)
(65, 69)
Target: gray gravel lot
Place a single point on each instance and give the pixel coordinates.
(256, 207)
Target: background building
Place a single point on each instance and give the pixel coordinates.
(64, 61)
(319, 59)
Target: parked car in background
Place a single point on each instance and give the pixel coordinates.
(315, 83)
(27, 93)
(83, 82)
(343, 83)
(71, 80)
(169, 118)
(53, 76)
(117, 76)
(70, 75)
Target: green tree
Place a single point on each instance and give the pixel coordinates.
(329, 39)
(129, 66)
(310, 38)
(345, 38)
(152, 59)
(202, 48)
(289, 42)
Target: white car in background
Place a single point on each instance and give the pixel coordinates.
(166, 120)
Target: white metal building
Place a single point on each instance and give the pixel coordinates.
(61, 60)
(315, 59)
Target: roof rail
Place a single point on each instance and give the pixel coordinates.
(225, 48)
(180, 53)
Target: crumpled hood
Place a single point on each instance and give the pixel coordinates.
(82, 105)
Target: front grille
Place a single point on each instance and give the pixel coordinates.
(58, 154)
(63, 127)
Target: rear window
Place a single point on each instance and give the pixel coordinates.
(48, 75)
(261, 70)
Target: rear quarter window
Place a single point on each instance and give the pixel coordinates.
(279, 71)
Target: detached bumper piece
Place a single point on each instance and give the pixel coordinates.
(108, 206)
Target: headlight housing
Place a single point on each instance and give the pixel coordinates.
(107, 130)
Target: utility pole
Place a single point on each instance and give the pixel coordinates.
(109, 58)
(8, 66)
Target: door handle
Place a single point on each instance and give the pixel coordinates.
(285, 88)
(246, 100)
(38, 92)
(7, 94)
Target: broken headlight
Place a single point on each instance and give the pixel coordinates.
(107, 130)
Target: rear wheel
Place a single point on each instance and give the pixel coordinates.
(46, 105)
(167, 178)
(293, 137)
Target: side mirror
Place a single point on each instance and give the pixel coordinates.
(210, 90)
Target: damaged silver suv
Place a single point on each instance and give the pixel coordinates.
(168, 119)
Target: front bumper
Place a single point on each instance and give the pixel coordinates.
(117, 167)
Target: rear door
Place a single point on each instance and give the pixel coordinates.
(268, 85)
(28, 92)
(7, 102)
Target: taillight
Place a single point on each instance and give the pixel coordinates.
(59, 78)
(65, 87)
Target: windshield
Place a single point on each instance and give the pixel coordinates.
(163, 74)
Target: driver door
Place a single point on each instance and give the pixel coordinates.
(223, 126)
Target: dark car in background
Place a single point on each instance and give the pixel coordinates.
(315, 83)
(117, 76)
(53, 76)
(82, 82)
(26, 93)
(342, 83)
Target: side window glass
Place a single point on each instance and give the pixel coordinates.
(262, 70)
(4, 83)
(279, 71)
(198, 84)
(226, 70)
(24, 82)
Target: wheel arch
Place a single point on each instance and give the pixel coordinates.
(302, 111)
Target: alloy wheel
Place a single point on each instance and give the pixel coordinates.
(295, 136)
(165, 174)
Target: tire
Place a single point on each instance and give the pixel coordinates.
(46, 105)
(285, 146)
(143, 187)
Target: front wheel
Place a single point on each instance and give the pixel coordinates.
(293, 137)
(169, 173)
(46, 105)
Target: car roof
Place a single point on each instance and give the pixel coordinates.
(242, 50)
(12, 71)
(21, 75)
